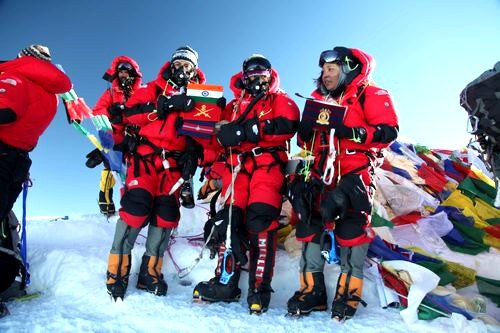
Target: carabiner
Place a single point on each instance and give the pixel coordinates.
(329, 247)
(327, 176)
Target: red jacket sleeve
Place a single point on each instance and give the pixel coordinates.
(379, 110)
(140, 106)
(102, 105)
(283, 121)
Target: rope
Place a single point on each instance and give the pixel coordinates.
(230, 214)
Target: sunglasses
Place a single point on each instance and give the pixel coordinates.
(328, 56)
(124, 66)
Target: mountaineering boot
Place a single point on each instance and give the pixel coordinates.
(150, 276)
(3, 310)
(258, 299)
(344, 307)
(106, 205)
(311, 296)
(339, 303)
(354, 296)
(215, 291)
(117, 275)
(186, 195)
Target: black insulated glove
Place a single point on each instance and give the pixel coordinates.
(116, 113)
(350, 194)
(94, 158)
(167, 104)
(252, 131)
(301, 195)
(305, 130)
(231, 134)
(116, 109)
(334, 205)
(221, 102)
(356, 134)
(220, 223)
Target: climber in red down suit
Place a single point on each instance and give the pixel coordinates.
(159, 159)
(254, 132)
(369, 125)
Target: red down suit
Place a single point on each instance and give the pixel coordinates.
(258, 186)
(368, 107)
(153, 167)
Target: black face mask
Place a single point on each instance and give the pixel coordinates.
(126, 81)
(256, 86)
(180, 77)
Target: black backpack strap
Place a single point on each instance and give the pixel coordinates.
(361, 95)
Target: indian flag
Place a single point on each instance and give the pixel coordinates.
(204, 93)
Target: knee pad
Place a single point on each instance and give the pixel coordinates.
(310, 232)
(136, 206)
(261, 217)
(166, 211)
(352, 226)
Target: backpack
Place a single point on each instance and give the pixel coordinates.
(481, 100)
(11, 261)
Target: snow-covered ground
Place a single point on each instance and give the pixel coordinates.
(68, 261)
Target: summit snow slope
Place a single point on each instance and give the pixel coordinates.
(68, 263)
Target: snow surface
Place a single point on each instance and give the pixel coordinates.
(68, 261)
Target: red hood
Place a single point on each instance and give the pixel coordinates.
(237, 89)
(111, 71)
(368, 65)
(160, 81)
(42, 73)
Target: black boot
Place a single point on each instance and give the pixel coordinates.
(215, 291)
(117, 275)
(311, 296)
(3, 310)
(258, 299)
(106, 205)
(150, 276)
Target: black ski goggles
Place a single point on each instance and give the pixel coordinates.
(124, 66)
(328, 56)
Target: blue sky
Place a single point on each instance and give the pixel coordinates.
(426, 52)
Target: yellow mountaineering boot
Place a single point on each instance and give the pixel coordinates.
(150, 276)
(117, 274)
(311, 296)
